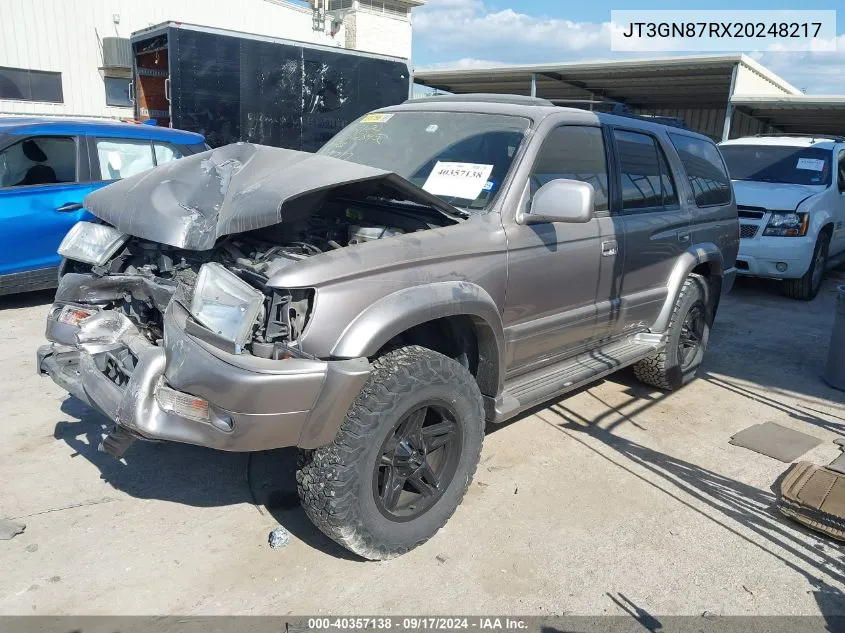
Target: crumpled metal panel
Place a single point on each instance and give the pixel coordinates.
(192, 202)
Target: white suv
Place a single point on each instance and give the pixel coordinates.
(790, 193)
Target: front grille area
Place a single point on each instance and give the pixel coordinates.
(756, 213)
(747, 231)
(118, 366)
(115, 373)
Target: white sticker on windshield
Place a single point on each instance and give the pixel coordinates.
(813, 164)
(458, 180)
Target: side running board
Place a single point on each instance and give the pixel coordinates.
(540, 385)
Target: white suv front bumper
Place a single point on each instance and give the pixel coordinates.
(767, 256)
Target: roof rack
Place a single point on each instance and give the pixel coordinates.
(608, 106)
(813, 137)
(618, 108)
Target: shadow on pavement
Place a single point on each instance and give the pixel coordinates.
(197, 476)
(768, 347)
(727, 502)
(27, 299)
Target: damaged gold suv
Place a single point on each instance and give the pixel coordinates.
(436, 266)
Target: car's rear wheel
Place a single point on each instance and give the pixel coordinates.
(689, 332)
(807, 286)
(403, 458)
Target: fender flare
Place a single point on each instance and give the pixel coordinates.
(705, 253)
(404, 309)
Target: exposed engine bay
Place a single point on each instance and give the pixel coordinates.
(143, 276)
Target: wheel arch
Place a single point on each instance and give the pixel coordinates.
(702, 259)
(466, 309)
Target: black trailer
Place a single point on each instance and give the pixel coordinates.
(232, 86)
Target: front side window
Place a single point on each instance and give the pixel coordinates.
(779, 164)
(121, 158)
(461, 157)
(41, 160)
(705, 170)
(573, 152)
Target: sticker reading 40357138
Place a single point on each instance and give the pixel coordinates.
(458, 180)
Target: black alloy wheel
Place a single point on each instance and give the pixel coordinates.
(418, 461)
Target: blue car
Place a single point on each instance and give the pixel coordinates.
(47, 167)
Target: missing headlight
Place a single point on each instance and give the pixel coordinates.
(288, 315)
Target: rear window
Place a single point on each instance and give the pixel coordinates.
(705, 170)
(779, 164)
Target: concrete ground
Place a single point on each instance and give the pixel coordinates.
(617, 499)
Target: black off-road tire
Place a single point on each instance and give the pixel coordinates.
(664, 369)
(806, 287)
(335, 482)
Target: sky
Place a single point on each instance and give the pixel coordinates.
(479, 33)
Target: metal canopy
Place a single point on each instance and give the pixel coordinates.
(797, 114)
(696, 81)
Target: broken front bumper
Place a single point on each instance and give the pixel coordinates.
(252, 403)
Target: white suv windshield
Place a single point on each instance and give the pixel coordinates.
(778, 163)
(460, 157)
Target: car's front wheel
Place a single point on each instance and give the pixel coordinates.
(403, 458)
(807, 286)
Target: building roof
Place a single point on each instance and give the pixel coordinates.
(806, 114)
(101, 127)
(676, 82)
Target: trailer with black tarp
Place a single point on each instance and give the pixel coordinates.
(233, 86)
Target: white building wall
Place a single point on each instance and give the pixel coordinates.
(378, 33)
(64, 36)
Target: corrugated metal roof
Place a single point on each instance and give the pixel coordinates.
(675, 82)
(806, 114)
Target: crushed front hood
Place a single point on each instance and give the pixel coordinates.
(192, 202)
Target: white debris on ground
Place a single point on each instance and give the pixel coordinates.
(279, 537)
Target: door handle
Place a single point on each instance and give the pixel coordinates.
(608, 248)
(683, 237)
(69, 206)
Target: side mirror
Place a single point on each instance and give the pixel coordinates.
(562, 201)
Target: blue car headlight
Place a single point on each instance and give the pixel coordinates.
(226, 304)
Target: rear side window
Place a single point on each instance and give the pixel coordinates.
(705, 170)
(644, 172)
(40, 160)
(575, 153)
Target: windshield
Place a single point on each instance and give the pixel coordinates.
(458, 156)
(777, 163)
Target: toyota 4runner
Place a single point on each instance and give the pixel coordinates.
(437, 265)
